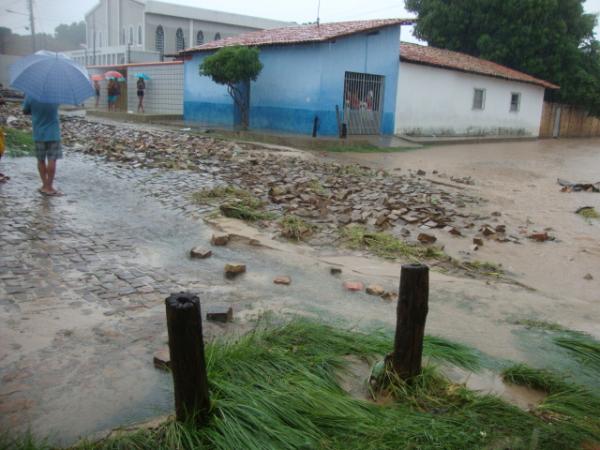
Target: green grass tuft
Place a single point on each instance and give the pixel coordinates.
(365, 148)
(385, 245)
(19, 142)
(585, 348)
(539, 325)
(483, 267)
(237, 203)
(221, 193)
(589, 213)
(277, 388)
(573, 407)
(294, 228)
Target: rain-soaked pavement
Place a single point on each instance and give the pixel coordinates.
(82, 283)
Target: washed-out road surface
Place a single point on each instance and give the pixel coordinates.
(83, 277)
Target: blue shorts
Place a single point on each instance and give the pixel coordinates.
(112, 98)
(48, 150)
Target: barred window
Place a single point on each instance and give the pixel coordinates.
(160, 39)
(179, 40)
(479, 99)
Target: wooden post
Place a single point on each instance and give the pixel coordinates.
(186, 346)
(411, 314)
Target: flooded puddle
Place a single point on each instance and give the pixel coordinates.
(490, 383)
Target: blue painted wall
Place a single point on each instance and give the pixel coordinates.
(299, 82)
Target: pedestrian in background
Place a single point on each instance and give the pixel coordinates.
(97, 89)
(141, 87)
(113, 94)
(46, 134)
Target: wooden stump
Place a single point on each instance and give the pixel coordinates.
(186, 346)
(411, 314)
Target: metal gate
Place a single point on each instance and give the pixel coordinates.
(363, 102)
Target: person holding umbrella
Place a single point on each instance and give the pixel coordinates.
(49, 79)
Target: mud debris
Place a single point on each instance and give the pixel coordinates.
(324, 196)
(568, 186)
(283, 280)
(234, 269)
(200, 253)
(353, 286)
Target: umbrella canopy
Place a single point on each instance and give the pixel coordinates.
(141, 75)
(51, 77)
(97, 77)
(113, 73)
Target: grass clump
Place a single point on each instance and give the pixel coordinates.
(539, 325)
(247, 212)
(237, 203)
(572, 407)
(277, 388)
(19, 142)
(483, 267)
(385, 245)
(588, 213)
(296, 229)
(583, 347)
(365, 148)
(224, 193)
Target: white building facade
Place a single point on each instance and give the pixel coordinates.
(135, 31)
(442, 94)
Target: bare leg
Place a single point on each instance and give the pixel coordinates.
(50, 172)
(42, 170)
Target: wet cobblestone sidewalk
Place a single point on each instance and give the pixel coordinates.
(82, 279)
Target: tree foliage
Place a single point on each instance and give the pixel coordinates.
(550, 39)
(71, 35)
(234, 67)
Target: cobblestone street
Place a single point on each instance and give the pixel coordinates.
(82, 283)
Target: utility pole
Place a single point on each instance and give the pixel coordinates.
(31, 24)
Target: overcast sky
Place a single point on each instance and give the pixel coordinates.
(51, 13)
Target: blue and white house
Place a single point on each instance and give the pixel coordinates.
(315, 78)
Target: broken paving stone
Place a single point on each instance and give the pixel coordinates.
(478, 241)
(335, 270)
(390, 296)
(353, 286)
(425, 238)
(284, 280)
(487, 231)
(588, 277)
(500, 229)
(421, 172)
(539, 237)
(474, 247)
(162, 359)
(234, 269)
(200, 253)
(220, 239)
(375, 289)
(496, 214)
(453, 231)
(219, 313)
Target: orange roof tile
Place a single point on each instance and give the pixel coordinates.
(447, 59)
(300, 34)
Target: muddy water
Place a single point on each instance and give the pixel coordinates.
(519, 180)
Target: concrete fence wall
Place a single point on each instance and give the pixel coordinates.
(164, 90)
(567, 121)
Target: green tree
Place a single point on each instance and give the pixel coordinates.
(550, 39)
(235, 67)
(70, 35)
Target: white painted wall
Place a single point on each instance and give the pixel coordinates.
(435, 101)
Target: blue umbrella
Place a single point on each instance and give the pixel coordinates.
(141, 75)
(50, 77)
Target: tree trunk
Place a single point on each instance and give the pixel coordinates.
(186, 346)
(411, 314)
